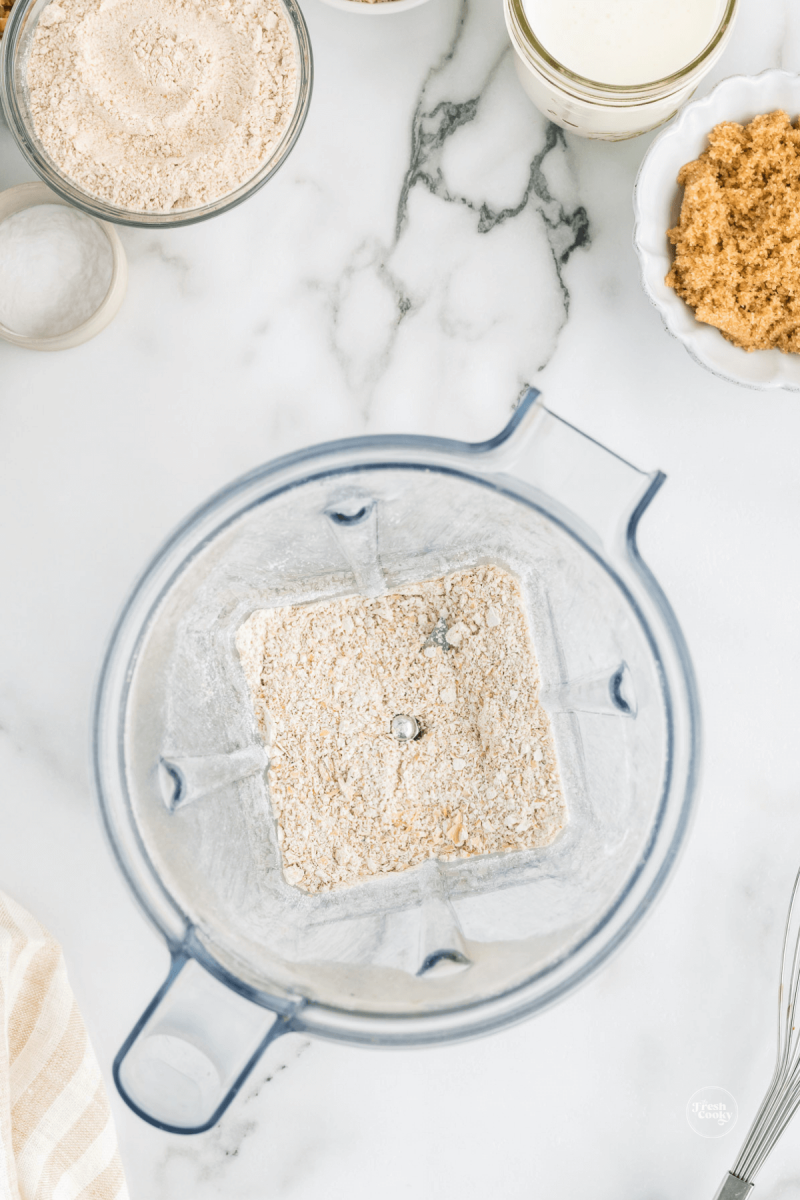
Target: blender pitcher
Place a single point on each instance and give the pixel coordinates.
(443, 950)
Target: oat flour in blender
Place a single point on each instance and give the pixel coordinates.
(351, 800)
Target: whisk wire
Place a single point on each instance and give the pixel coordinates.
(783, 1094)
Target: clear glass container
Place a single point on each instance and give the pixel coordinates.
(609, 112)
(15, 48)
(444, 950)
(29, 195)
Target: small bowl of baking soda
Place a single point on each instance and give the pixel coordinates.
(63, 274)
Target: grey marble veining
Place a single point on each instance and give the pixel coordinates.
(436, 120)
(418, 283)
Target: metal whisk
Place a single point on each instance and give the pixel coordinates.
(783, 1095)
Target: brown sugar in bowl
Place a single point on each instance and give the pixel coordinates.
(737, 244)
(658, 199)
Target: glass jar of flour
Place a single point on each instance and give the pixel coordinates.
(613, 69)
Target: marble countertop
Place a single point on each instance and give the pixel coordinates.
(431, 246)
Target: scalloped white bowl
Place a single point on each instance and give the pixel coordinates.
(657, 203)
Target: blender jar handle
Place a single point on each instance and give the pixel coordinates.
(192, 1049)
(604, 492)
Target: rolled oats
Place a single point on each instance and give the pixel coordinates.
(351, 801)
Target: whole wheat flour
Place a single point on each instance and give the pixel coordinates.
(351, 801)
(161, 105)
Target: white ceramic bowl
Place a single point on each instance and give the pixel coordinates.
(381, 8)
(657, 202)
(28, 195)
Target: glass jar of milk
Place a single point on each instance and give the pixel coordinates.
(615, 68)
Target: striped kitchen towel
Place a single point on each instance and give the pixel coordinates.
(57, 1139)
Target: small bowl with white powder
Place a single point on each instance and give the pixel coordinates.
(62, 274)
(155, 112)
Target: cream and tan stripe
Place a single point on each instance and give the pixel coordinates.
(28, 989)
(8, 1173)
(15, 927)
(27, 1110)
(89, 1166)
(28, 926)
(53, 1123)
(57, 1139)
(86, 1131)
(108, 1183)
(47, 1033)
